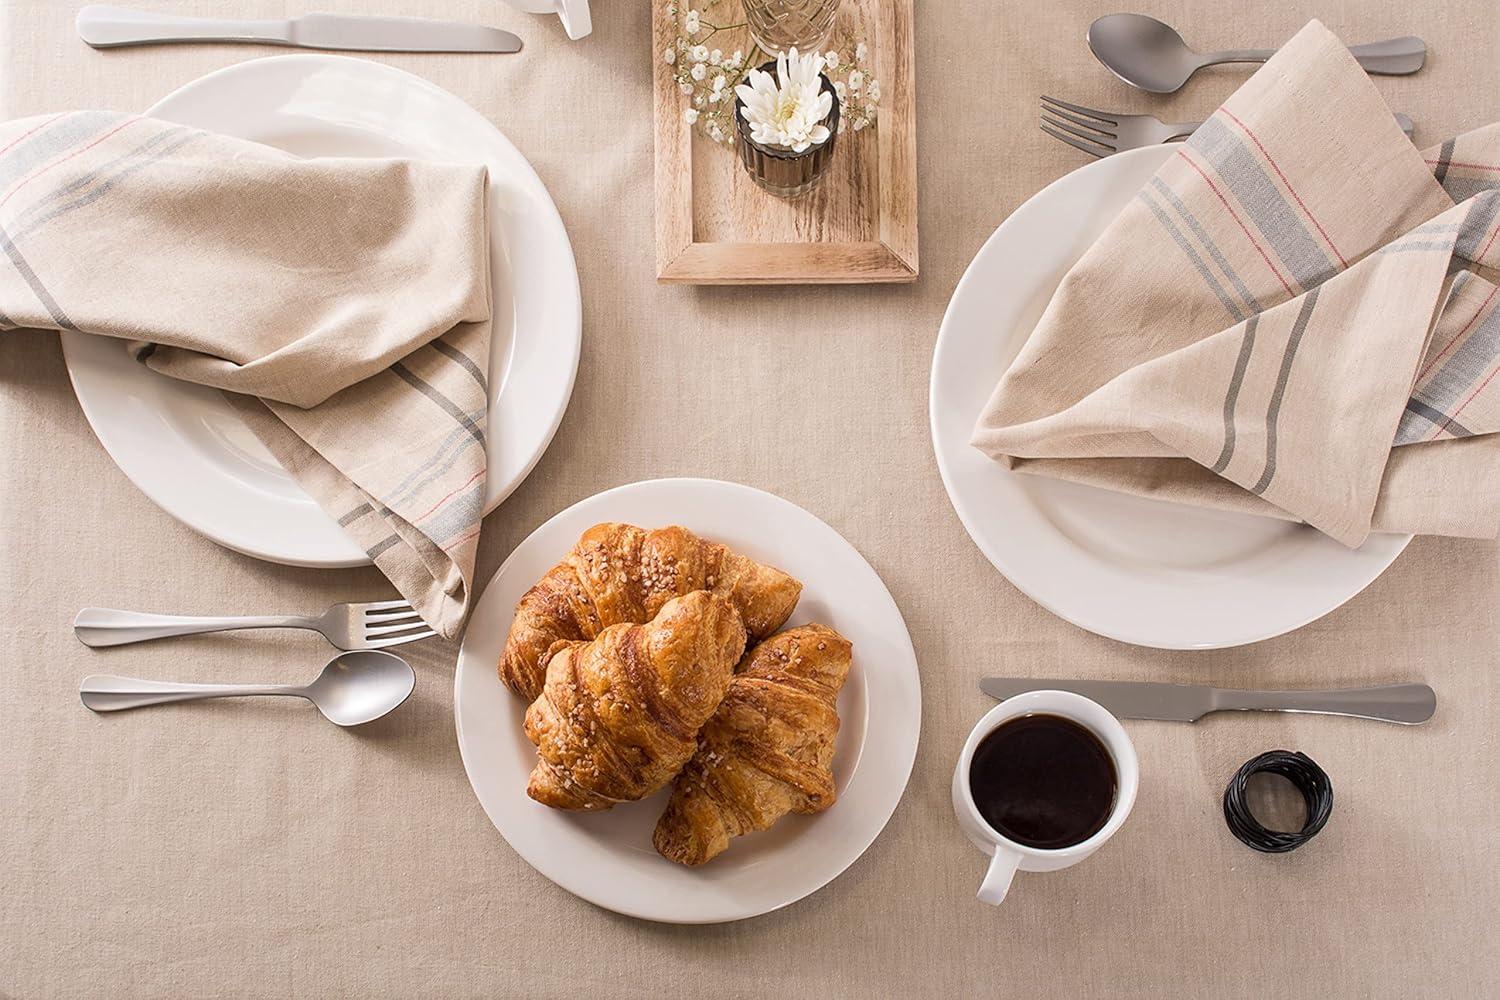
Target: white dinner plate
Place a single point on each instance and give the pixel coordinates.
(187, 449)
(1138, 570)
(607, 858)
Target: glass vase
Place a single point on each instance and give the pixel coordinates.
(779, 25)
(781, 171)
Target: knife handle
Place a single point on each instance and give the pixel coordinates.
(106, 27)
(1408, 704)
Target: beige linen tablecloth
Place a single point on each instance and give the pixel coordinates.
(248, 848)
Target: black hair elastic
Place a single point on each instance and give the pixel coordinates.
(1301, 771)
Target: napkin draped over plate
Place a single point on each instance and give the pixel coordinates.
(1293, 318)
(343, 304)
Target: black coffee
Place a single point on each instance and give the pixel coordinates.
(1043, 781)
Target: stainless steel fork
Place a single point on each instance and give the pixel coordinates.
(348, 626)
(1100, 133)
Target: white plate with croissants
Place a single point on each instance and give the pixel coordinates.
(687, 700)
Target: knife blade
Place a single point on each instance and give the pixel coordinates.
(1408, 704)
(111, 27)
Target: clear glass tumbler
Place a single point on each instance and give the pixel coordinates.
(778, 25)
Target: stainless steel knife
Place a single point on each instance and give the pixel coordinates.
(108, 27)
(1408, 704)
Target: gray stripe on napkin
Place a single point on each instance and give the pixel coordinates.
(1273, 412)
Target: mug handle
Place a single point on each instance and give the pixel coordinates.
(997, 880)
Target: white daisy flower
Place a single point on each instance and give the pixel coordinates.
(787, 109)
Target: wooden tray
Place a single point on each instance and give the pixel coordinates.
(714, 226)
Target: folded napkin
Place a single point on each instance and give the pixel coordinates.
(343, 304)
(1292, 318)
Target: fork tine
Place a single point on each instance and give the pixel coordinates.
(1103, 116)
(1093, 126)
(385, 605)
(390, 629)
(1087, 147)
(389, 616)
(1095, 137)
(398, 640)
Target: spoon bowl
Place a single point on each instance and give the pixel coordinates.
(361, 686)
(1143, 51)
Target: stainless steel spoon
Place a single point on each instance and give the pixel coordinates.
(354, 688)
(1151, 55)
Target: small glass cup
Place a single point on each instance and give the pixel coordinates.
(781, 171)
(778, 25)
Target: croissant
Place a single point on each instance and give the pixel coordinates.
(619, 716)
(618, 573)
(766, 751)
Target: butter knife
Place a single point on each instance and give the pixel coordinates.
(108, 27)
(1407, 704)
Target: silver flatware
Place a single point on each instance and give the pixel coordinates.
(352, 689)
(373, 625)
(106, 27)
(1100, 133)
(1151, 55)
(1407, 704)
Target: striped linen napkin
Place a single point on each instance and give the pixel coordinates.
(1293, 318)
(342, 304)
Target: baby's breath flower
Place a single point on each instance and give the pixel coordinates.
(861, 51)
(698, 53)
(698, 71)
(686, 88)
(831, 59)
(718, 83)
(842, 89)
(716, 57)
(856, 80)
(715, 133)
(690, 115)
(860, 123)
(692, 22)
(669, 56)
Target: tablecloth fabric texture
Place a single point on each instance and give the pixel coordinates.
(234, 265)
(248, 848)
(1255, 331)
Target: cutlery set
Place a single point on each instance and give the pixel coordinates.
(1151, 56)
(359, 685)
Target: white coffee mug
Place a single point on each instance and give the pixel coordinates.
(1006, 855)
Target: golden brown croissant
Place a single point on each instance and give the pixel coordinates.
(618, 573)
(766, 751)
(619, 716)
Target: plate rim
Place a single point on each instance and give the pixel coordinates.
(911, 708)
(566, 333)
(969, 518)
